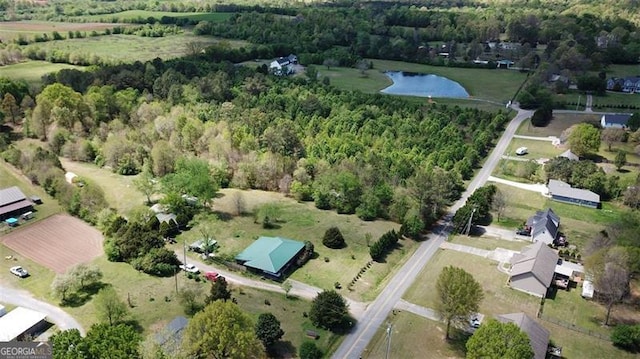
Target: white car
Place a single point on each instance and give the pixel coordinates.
(19, 271)
(521, 151)
(189, 268)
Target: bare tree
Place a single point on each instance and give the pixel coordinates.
(610, 271)
(499, 203)
(329, 63)
(193, 48)
(611, 135)
(239, 204)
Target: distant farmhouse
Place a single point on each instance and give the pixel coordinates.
(270, 256)
(13, 203)
(627, 84)
(615, 121)
(563, 192)
(282, 66)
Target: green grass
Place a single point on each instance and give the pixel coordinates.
(129, 48)
(120, 192)
(499, 299)
(302, 221)
(134, 14)
(492, 85)
(622, 70)
(289, 312)
(414, 337)
(559, 123)
(537, 149)
(611, 101)
(487, 243)
(32, 71)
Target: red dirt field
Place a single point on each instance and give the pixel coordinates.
(58, 242)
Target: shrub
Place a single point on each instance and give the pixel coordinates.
(333, 238)
(309, 350)
(626, 337)
(307, 253)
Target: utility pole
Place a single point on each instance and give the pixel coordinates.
(469, 223)
(175, 275)
(579, 96)
(184, 250)
(389, 325)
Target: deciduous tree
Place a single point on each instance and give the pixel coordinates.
(611, 135)
(221, 330)
(62, 285)
(309, 350)
(620, 160)
(459, 295)
(85, 275)
(111, 309)
(584, 139)
(609, 268)
(189, 296)
(219, 291)
(499, 340)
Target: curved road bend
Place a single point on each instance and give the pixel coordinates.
(54, 314)
(375, 314)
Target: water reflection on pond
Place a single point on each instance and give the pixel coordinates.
(423, 85)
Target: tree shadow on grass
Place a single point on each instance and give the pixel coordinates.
(458, 341)
(134, 324)
(223, 216)
(282, 349)
(383, 258)
(82, 295)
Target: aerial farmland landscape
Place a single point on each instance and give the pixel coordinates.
(319, 179)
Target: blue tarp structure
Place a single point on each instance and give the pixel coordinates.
(11, 221)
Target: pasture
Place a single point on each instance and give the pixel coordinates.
(129, 48)
(559, 123)
(58, 242)
(32, 71)
(11, 30)
(482, 84)
(129, 15)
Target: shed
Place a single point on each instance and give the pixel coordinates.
(13, 203)
(270, 255)
(587, 289)
(36, 199)
(569, 155)
(19, 322)
(70, 177)
(170, 337)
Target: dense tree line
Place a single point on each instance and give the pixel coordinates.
(583, 174)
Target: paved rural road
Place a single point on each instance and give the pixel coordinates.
(355, 343)
(54, 314)
(298, 289)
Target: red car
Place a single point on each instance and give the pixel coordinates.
(212, 276)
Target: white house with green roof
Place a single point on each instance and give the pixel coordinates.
(270, 255)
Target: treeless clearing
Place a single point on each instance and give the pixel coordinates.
(12, 29)
(58, 242)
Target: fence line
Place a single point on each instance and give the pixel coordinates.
(574, 327)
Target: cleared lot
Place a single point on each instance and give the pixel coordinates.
(58, 242)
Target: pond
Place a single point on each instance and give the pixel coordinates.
(423, 85)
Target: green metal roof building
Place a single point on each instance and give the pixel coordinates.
(271, 255)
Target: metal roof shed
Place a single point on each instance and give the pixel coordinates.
(18, 322)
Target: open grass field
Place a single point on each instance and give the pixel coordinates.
(488, 243)
(537, 149)
(612, 99)
(499, 298)
(119, 190)
(129, 48)
(58, 242)
(622, 70)
(560, 122)
(302, 221)
(144, 14)
(493, 85)
(12, 29)
(32, 71)
(413, 337)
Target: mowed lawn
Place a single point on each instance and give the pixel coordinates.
(536, 149)
(302, 221)
(492, 85)
(119, 191)
(487, 242)
(560, 122)
(499, 298)
(129, 48)
(32, 71)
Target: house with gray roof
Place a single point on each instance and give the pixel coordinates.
(617, 120)
(563, 192)
(569, 155)
(543, 226)
(270, 255)
(538, 335)
(532, 270)
(13, 203)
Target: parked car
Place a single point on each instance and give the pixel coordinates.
(212, 276)
(523, 232)
(19, 271)
(189, 268)
(521, 151)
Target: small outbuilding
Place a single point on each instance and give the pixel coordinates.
(170, 337)
(587, 289)
(70, 177)
(20, 322)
